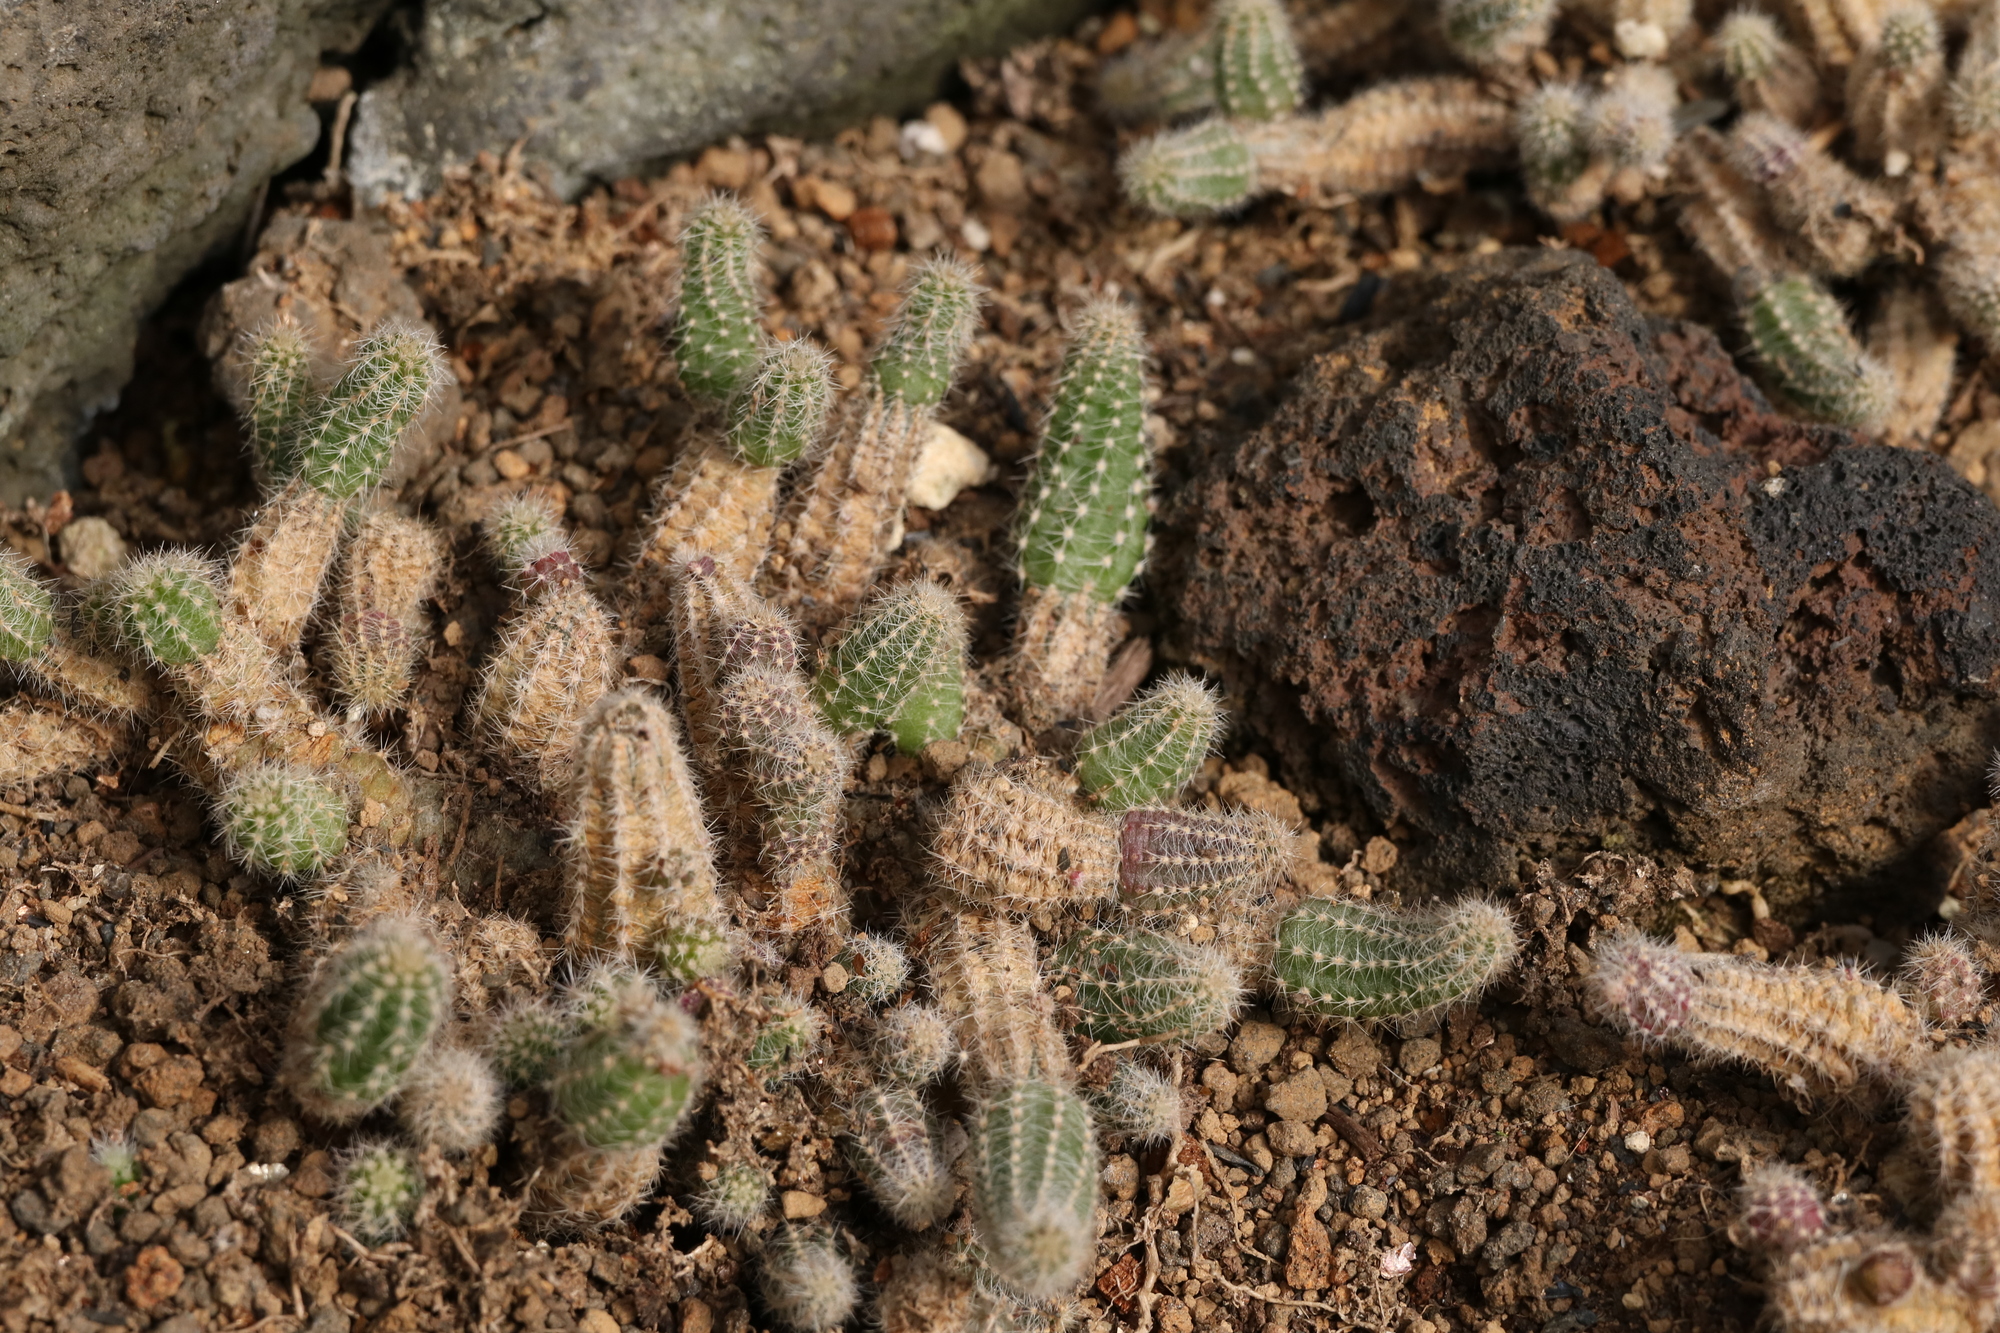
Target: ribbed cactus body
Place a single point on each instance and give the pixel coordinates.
(345, 443)
(788, 1035)
(1493, 32)
(783, 413)
(895, 1144)
(391, 568)
(1895, 90)
(451, 1100)
(1800, 336)
(379, 1190)
(525, 1039)
(1154, 746)
(876, 966)
(642, 874)
(807, 1282)
(1144, 1104)
(1164, 79)
(279, 392)
(1780, 1210)
(1140, 986)
(1942, 972)
(914, 1043)
(1205, 168)
(1034, 1187)
(167, 608)
(1552, 127)
(735, 1199)
(283, 819)
(1167, 857)
(720, 333)
(1357, 961)
(932, 331)
(797, 768)
(1015, 839)
(901, 668)
(630, 1075)
(27, 612)
(1258, 71)
(368, 1018)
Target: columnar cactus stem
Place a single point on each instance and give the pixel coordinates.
(783, 413)
(1146, 987)
(807, 1282)
(1357, 961)
(1167, 858)
(1205, 168)
(1837, 220)
(275, 577)
(1913, 340)
(1895, 91)
(1954, 1100)
(38, 739)
(987, 982)
(1724, 212)
(1496, 32)
(1800, 335)
(379, 1190)
(642, 875)
(279, 390)
(1153, 748)
(1034, 1187)
(1018, 841)
(895, 1144)
(34, 643)
(555, 657)
(1768, 73)
(720, 629)
(797, 770)
(283, 819)
(366, 1019)
(900, 667)
(1258, 72)
(720, 335)
(391, 569)
(168, 612)
(1814, 1029)
(630, 1076)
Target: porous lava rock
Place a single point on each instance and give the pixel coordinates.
(1530, 573)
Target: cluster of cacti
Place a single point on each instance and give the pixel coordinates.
(1766, 200)
(1828, 1031)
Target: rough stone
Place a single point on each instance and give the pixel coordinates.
(1302, 1097)
(1291, 1138)
(139, 138)
(600, 87)
(1538, 570)
(1255, 1045)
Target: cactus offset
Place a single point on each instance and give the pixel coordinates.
(783, 412)
(1800, 336)
(876, 966)
(524, 1040)
(1553, 126)
(630, 1075)
(343, 446)
(1153, 748)
(367, 1018)
(1168, 857)
(378, 1190)
(391, 569)
(1206, 168)
(1780, 1210)
(790, 1033)
(35, 643)
(735, 1199)
(806, 1281)
(914, 1043)
(1034, 1187)
(1837, 221)
(1146, 987)
(1943, 974)
(1768, 73)
(900, 667)
(895, 1144)
(1895, 91)
(797, 770)
(1496, 32)
(719, 335)
(1144, 1104)
(278, 392)
(1258, 73)
(451, 1100)
(1017, 840)
(1357, 961)
(283, 819)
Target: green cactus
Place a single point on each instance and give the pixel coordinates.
(1357, 961)
(631, 1074)
(1258, 71)
(1749, 45)
(876, 967)
(27, 611)
(1205, 168)
(167, 608)
(525, 1040)
(1799, 334)
(1034, 1187)
(901, 668)
(283, 819)
(806, 1281)
(931, 334)
(895, 1144)
(1972, 98)
(1082, 527)
(280, 392)
(1154, 746)
(344, 444)
(1485, 32)
(789, 1034)
(720, 335)
(379, 1190)
(1167, 857)
(1146, 987)
(735, 1199)
(1968, 278)
(369, 1015)
(784, 412)
(522, 531)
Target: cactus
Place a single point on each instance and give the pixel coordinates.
(392, 569)
(283, 819)
(1496, 32)
(784, 411)
(378, 1190)
(167, 608)
(719, 335)
(790, 1033)
(1258, 72)
(1954, 1100)
(1972, 99)
(1206, 168)
(451, 1101)
(1016, 840)
(1768, 73)
(27, 612)
(1153, 748)
(524, 1040)
(1943, 974)
(876, 966)
(1799, 334)
(1167, 857)
(1165, 79)
(367, 1018)
(895, 1145)
(1146, 987)
(899, 668)
(1034, 1187)
(1553, 125)
(279, 391)
(797, 771)
(578, 1188)
(642, 878)
(1895, 90)
(914, 1044)
(1357, 961)
(1815, 1029)
(1631, 124)
(630, 1075)
(35, 644)
(1968, 278)
(932, 331)
(1913, 340)
(1144, 1104)
(1875, 1281)
(1779, 1209)
(987, 980)
(1837, 221)
(119, 1157)
(345, 442)
(807, 1283)
(735, 1199)
(1724, 212)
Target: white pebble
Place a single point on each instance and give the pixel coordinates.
(948, 464)
(1638, 1141)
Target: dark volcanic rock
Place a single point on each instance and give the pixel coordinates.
(1529, 571)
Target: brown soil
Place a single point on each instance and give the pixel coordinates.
(1532, 1171)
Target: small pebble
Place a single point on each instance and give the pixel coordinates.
(511, 465)
(834, 978)
(1638, 1141)
(799, 1205)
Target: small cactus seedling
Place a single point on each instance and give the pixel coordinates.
(1768, 73)
(931, 334)
(33, 642)
(784, 411)
(167, 609)
(451, 1100)
(894, 1143)
(797, 770)
(345, 442)
(628, 1078)
(369, 1015)
(735, 1199)
(642, 874)
(1780, 1209)
(1631, 124)
(899, 668)
(720, 335)
(1034, 1187)
(1553, 126)
(378, 1190)
(1954, 1100)
(391, 569)
(278, 391)
(1836, 220)
(914, 1043)
(1153, 748)
(1205, 168)
(27, 612)
(807, 1283)
(1357, 961)
(524, 1041)
(1943, 974)
(1144, 1104)
(1800, 335)
(787, 1037)
(1496, 32)
(1895, 90)
(876, 966)
(119, 1157)
(283, 819)
(1815, 1029)
(1258, 72)
(1147, 987)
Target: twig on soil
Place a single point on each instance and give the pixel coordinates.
(23, 812)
